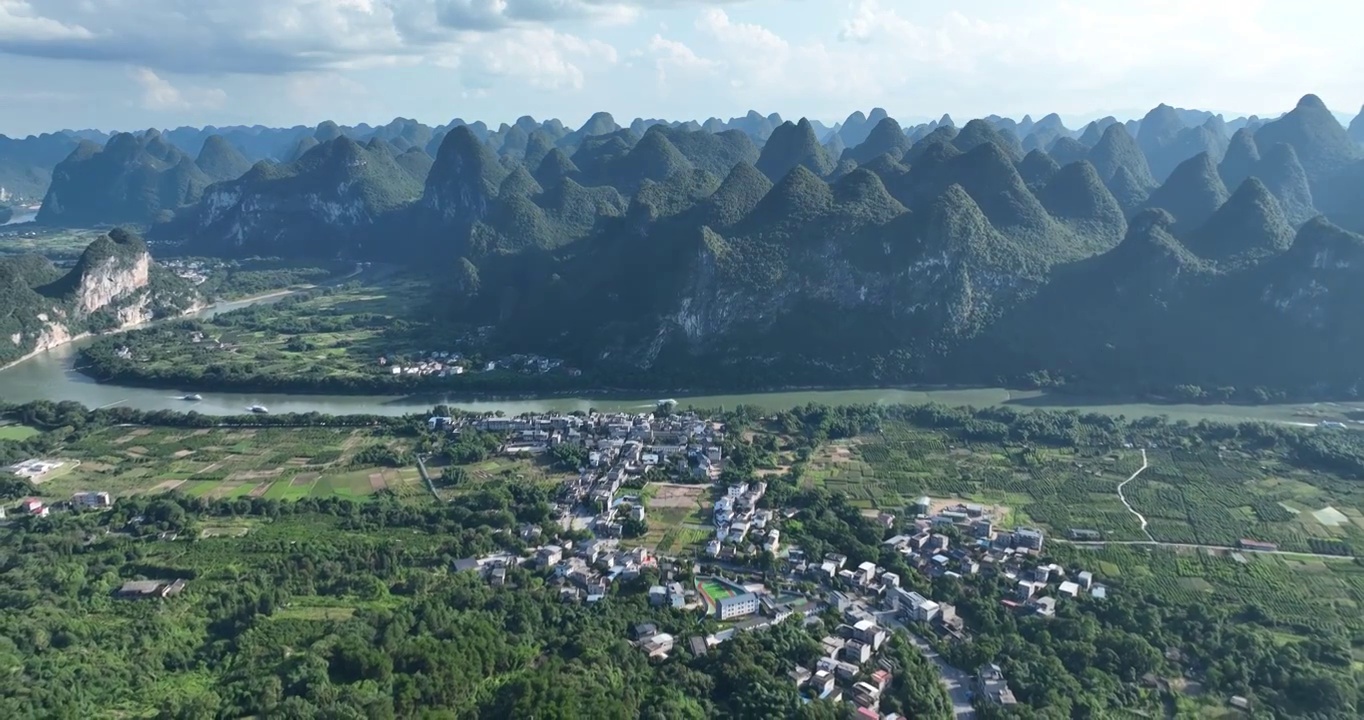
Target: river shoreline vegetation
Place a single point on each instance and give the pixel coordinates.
(337, 598)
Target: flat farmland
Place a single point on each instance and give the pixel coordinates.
(679, 517)
(1205, 496)
(275, 463)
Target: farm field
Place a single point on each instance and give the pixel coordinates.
(339, 333)
(1204, 496)
(1300, 595)
(276, 463)
(678, 516)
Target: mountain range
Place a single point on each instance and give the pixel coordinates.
(1168, 135)
(1174, 251)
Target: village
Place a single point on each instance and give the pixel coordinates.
(720, 583)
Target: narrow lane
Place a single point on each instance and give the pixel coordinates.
(956, 681)
(1123, 498)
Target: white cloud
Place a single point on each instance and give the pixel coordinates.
(541, 58)
(1057, 55)
(282, 36)
(18, 20)
(160, 95)
(675, 58)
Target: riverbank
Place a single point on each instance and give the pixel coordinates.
(194, 310)
(51, 375)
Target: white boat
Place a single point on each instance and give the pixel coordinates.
(193, 397)
(259, 409)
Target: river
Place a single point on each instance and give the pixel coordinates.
(50, 376)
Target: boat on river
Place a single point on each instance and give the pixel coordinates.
(259, 409)
(193, 397)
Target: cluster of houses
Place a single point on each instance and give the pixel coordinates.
(587, 571)
(195, 271)
(584, 572)
(620, 446)
(35, 507)
(738, 520)
(436, 364)
(442, 363)
(850, 668)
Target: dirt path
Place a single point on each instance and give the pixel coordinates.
(1140, 517)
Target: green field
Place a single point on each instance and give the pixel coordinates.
(1204, 496)
(1299, 595)
(714, 590)
(16, 432)
(276, 463)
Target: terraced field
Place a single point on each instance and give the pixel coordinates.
(276, 463)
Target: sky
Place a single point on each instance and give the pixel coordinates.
(133, 64)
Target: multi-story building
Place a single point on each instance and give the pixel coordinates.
(737, 605)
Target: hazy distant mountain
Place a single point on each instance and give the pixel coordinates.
(791, 145)
(132, 179)
(1193, 192)
(1122, 167)
(1286, 179)
(220, 161)
(1356, 130)
(886, 138)
(26, 164)
(318, 205)
(1043, 133)
(858, 127)
(1322, 145)
(1242, 155)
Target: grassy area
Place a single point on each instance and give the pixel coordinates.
(1207, 496)
(16, 432)
(277, 463)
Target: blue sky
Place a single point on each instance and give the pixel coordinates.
(128, 64)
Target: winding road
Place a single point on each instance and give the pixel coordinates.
(1121, 497)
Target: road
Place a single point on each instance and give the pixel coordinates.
(1157, 543)
(1140, 517)
(957, 682)
(421, 467)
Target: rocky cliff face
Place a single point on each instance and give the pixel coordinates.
(115, 285)
(112, 280)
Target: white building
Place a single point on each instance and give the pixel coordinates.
(915, 606)
(738, 606)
